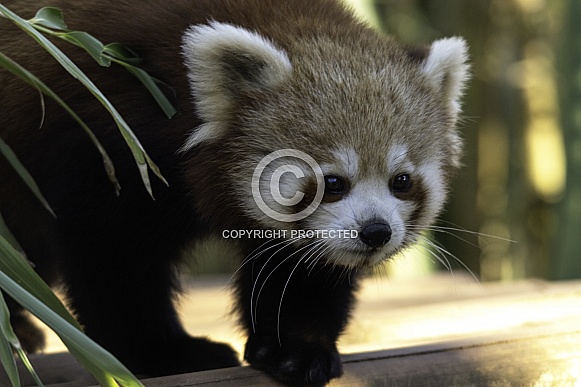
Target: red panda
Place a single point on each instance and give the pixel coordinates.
(317, 145)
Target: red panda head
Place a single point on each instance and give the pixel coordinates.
(352, 139)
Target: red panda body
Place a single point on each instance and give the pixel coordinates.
(248, 78)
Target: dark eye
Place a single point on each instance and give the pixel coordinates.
(334, 185)
(401, 183)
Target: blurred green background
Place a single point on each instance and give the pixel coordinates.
(522, 126)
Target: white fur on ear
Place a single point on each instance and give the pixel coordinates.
(227, 63)
(447, 69)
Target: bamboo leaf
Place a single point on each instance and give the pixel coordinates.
(9, 340)
(6, 354)
(89, 43)
(139, 153)
(122, 53)
(151, 85)
(50, 17)
(18, 269)
(32, 80)
(19, 281)
(5, 232)
(21, 170)
(28, 366)
(8, 361)
(73, 338)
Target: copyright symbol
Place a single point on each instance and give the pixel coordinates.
(274, 185)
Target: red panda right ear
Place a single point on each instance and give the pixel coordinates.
(447, 69)
(226, 64)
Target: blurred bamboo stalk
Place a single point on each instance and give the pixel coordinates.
(567, 246)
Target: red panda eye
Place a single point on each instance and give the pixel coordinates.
(334, 185)
(401, 183)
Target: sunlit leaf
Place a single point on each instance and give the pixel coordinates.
(28, 366)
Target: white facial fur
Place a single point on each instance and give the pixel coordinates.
(369, 200)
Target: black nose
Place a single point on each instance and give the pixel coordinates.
(375, 234)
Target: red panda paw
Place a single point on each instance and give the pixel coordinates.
(296, 362)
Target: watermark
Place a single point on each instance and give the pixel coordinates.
(274, 185)
(292, 234)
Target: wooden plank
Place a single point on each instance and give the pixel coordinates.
(552, 360)
(433, 331)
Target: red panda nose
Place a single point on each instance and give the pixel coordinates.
(375, 234)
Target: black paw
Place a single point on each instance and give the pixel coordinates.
(296, 362)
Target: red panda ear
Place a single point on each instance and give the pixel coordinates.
(225, 64)
(447, 70)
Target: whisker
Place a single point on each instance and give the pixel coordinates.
(255, 309)
(439, 257)
(465, 231)
(320, 254)
(445, 252)
(442, 231)
(253, 255)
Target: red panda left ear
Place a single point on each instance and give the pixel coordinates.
(225, 65)
(447, 70)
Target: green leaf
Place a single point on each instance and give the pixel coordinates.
(8, 340)
(17, 165)
(19, 281)
(89, 43)
(5, 232)
(93, 355)
(153, 89)
(122, 53)
(140, 155)
(8, 361)
(13, 265)
(125, 57)
(31, 79)
(51, 18)
(6, 354)
(28, 366)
